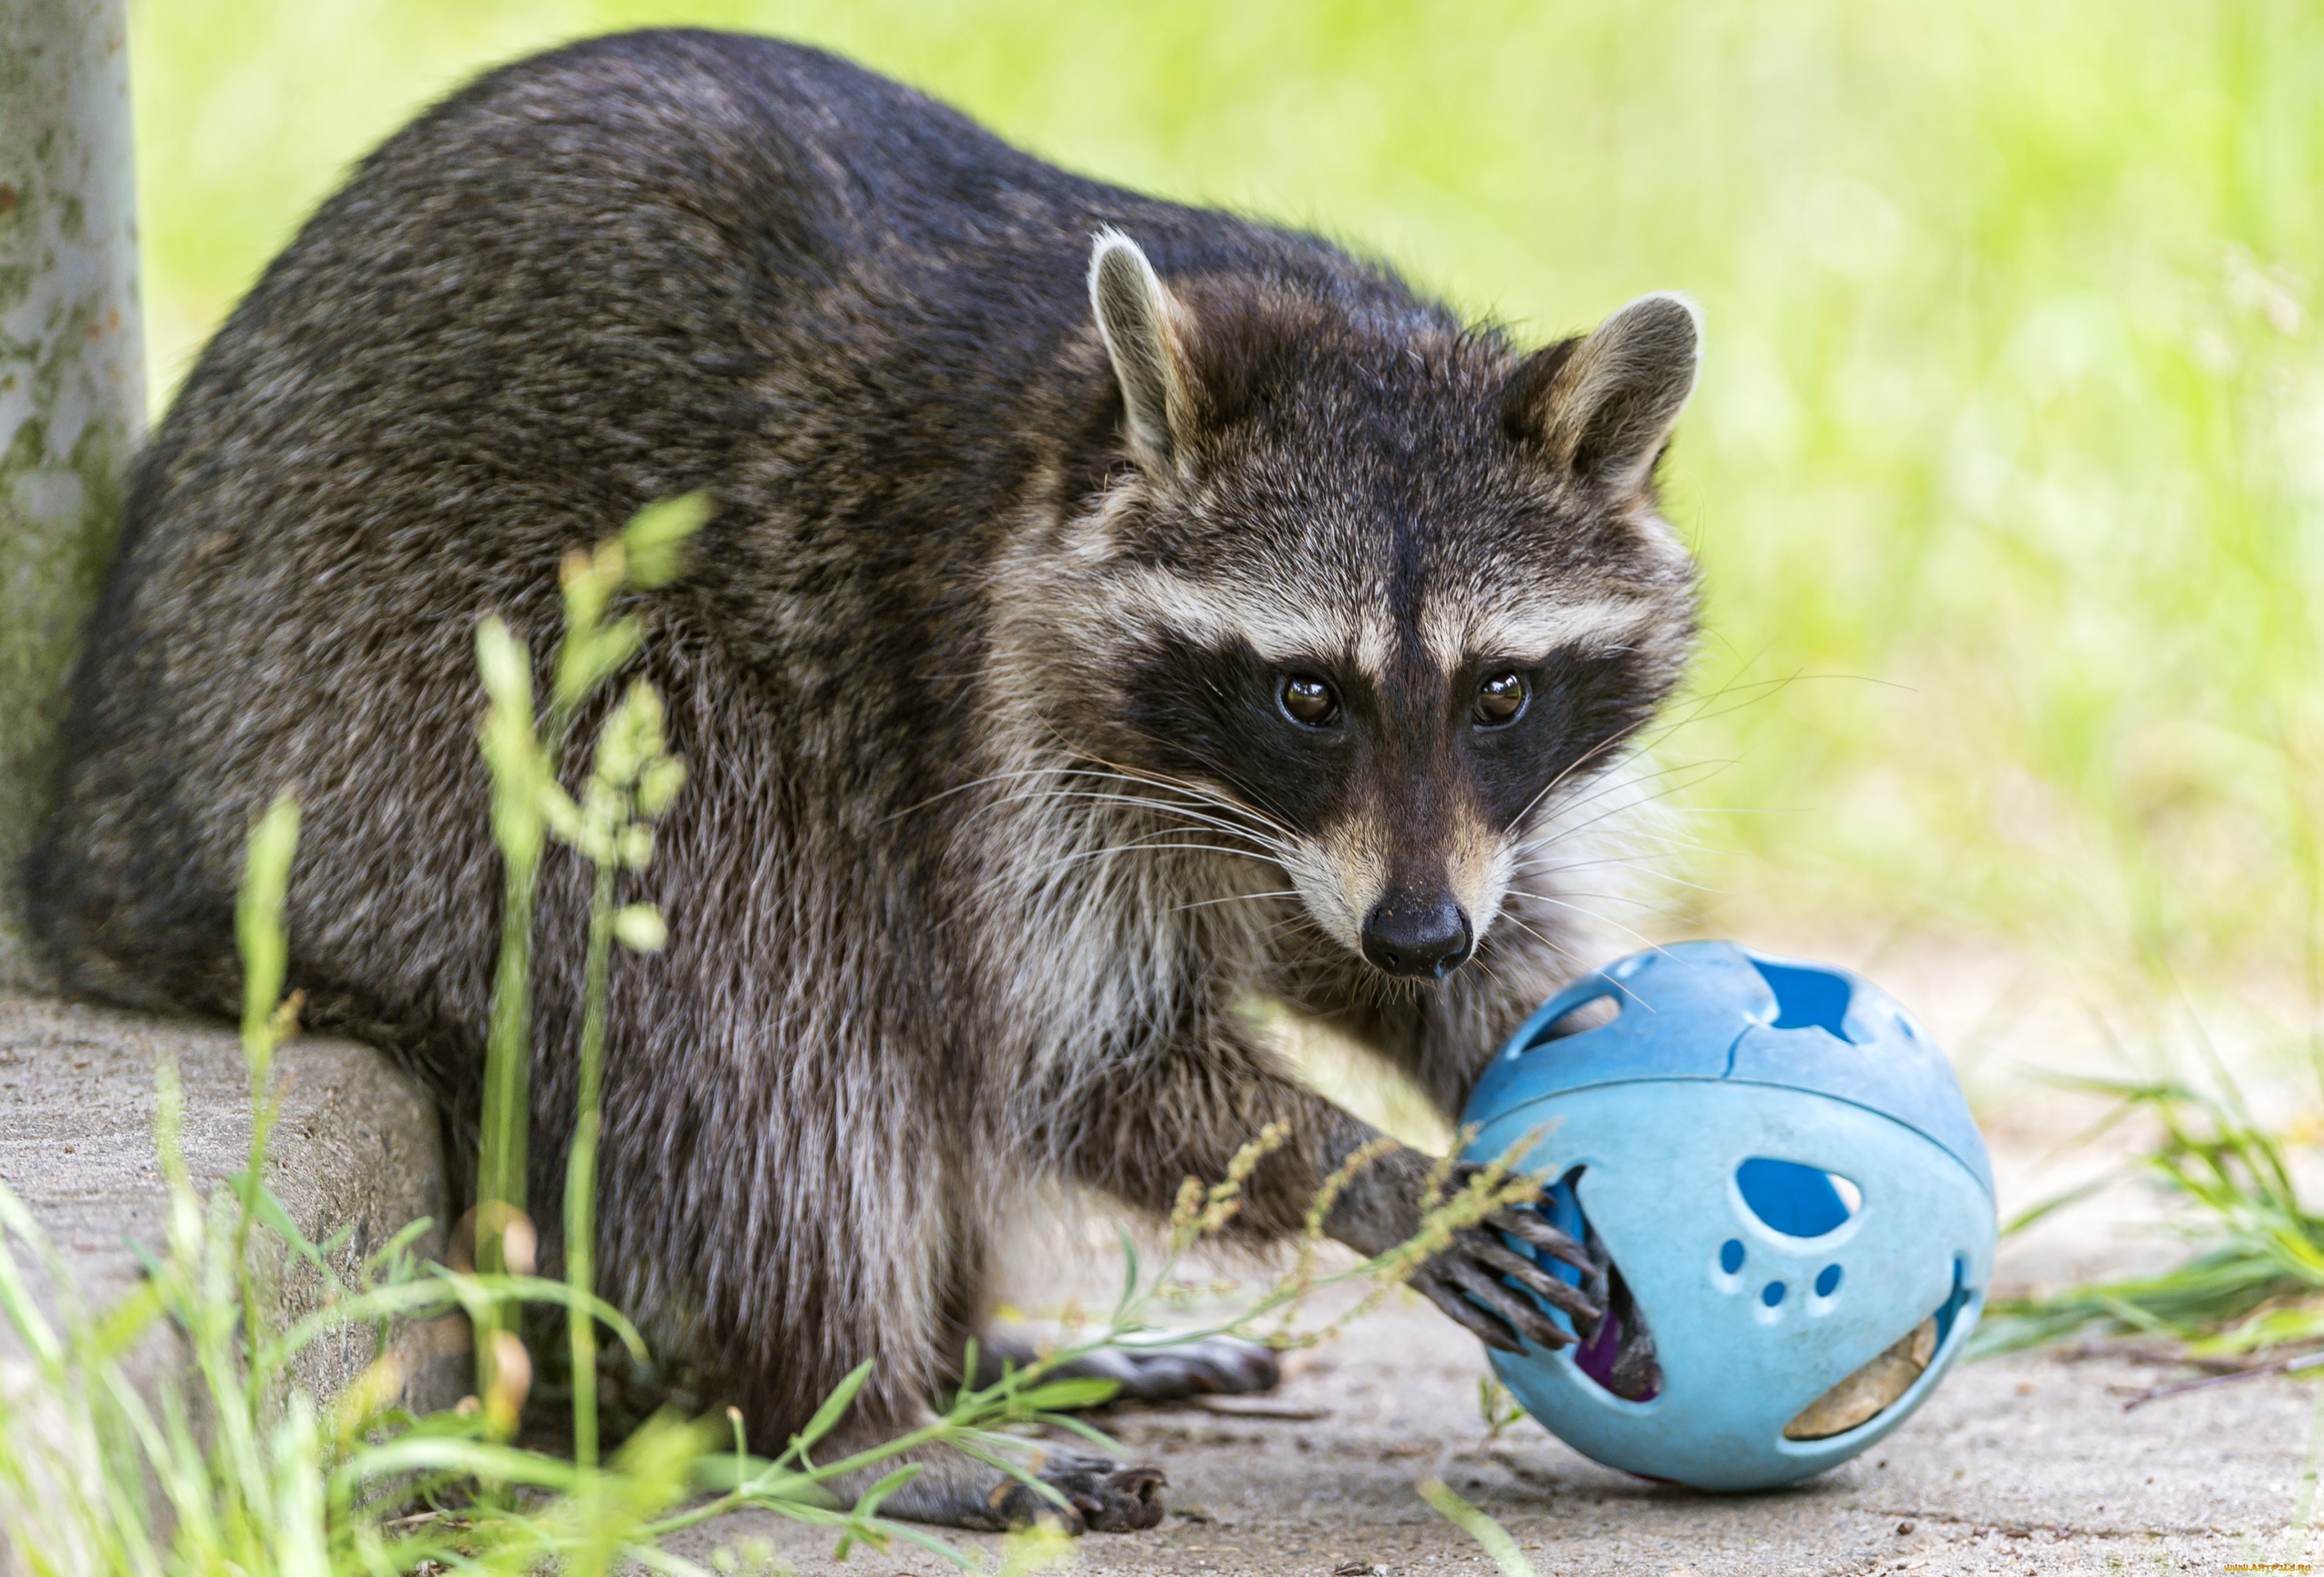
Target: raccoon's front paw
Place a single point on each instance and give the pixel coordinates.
(1477, 1267)
(1102, 1497)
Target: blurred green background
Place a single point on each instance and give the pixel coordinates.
(2007, 469)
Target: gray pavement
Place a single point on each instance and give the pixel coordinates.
(2018, 1465)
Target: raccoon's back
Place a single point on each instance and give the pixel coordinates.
(634, 267)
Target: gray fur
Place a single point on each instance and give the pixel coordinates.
(993, 821)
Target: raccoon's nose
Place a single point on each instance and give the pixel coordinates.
(1415, 937)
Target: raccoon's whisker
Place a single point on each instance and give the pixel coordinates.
(1233, 898)
(1260, 850)
(1541, 863)
(1666, 842)
(1545, 898)
(1617, 738)
(1663, 879)
(1164, 829)
(1142, 801)
(1700, 764)
(1544, 837)
(1582, 910)
(1616, 808)
(1307, 946)
(1188, 807)
(1064, 770)
(943, 794)
(1482, 962)
(1592, 753)
(1276, 831)
(1752, 691)
(1534, 869)
(1237, 819)
(1303, 927)
(1187, 786)
(1159, 839)
(1290, 923)
(1646, 790)
(1564, 952)
(1617, 785)
(1541, 842)
(1742, 810)
(1140, 847)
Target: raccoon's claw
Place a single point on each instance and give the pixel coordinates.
(1469, 1282)
(1497, 1326)
(1550, 1288)
(1101, 1496)
(1527, 1227)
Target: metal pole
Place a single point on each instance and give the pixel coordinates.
(72, 378)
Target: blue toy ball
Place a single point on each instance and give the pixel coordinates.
(1783, 1171)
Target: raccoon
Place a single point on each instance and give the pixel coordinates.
(1114, 612)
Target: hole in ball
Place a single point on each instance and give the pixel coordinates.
(1594, 1014)
(1618, 1355)
(1882, 1383)
(1797, 1200)
(1808, 998)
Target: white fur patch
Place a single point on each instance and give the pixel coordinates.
(1455, 631)
(1282, 632)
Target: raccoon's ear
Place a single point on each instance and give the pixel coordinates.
(1604, 408)
(1140, 323)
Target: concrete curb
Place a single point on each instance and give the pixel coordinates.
(357, 1147)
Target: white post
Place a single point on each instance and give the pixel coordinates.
(72, 382)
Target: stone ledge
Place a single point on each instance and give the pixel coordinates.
(357, 1146)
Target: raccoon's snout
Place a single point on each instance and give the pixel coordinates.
(1425, 938)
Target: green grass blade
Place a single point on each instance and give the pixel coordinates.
(1494, 1538)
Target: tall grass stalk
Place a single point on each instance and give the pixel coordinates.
(529, 804)
(521, 833)
(633, 779)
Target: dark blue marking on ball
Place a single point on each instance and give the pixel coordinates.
(1797, 1201)
(1808, 998)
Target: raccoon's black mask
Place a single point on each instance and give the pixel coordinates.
(1390, 592)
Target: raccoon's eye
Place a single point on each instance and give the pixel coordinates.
(1500, 697)
(1309, 700)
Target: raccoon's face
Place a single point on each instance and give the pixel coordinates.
(1379, 596)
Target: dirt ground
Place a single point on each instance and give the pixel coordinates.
(2021, 1464)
